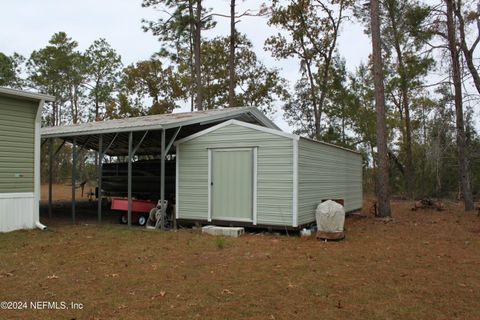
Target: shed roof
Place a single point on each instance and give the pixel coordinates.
(116, 131)
(25, 95)
(263, 129)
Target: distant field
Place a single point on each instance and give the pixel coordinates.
(423, 265)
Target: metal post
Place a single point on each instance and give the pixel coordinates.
(50, 175)
(99, 176)
(130, 149)
(74, 164)
(162, 180)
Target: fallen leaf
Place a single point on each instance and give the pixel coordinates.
(161, 294)
(226, 291)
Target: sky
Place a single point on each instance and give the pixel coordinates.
(27, 25)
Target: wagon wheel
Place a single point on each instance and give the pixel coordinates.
(123, 218)
(142, 220)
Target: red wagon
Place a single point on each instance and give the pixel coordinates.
(140, 209)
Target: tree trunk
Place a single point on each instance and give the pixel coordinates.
(191, 54)
(97, 110)
(383, 184)
(464, 174)
(409, 168)
(54, 114)
(197, 43)
(313, 92)
(231, 62)
(468, 52)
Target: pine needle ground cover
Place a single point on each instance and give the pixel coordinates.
(421, 265)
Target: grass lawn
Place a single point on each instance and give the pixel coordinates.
(422, 265)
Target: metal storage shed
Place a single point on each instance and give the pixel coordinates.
(245, 174)
(20, 116)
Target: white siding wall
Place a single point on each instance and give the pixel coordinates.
(327, 172)
(16, 211)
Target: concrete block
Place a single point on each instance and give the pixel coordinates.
(223, 231)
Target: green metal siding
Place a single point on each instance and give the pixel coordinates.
(17, 142)
(274, 173)
(327, 172)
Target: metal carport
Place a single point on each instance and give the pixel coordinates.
(146, 135)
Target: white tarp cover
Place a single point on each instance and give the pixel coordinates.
(330, 216)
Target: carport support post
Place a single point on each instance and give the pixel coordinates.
(74, 173)
(162, 181)
(130, 149)
(50, 175)
(99, 176)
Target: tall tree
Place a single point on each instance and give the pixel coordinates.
(179, 29)
(383, 181)
(255, 85)
(233, 44)
(361, 84)
(56, 70)
(150, 78)
(231, 58)
(299, 107)
(123, 107)
(465, 18)
(408, 62)
(405, 19)
(104, 69)
(76, 81)
(10, 70)
(313, 28)
(464, 172)
(197, 51)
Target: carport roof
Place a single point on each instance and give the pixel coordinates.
(147, 129)
(158, 122)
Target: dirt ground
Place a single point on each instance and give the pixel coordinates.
(421, 265)
(63, 192)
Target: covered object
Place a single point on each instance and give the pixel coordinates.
(238, 173)
(20, 116)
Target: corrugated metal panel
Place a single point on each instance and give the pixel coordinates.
(158, 121)
(17, 139)
(16, 211)
(274, 169)
(327, 172)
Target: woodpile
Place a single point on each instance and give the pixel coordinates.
(427, 203)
